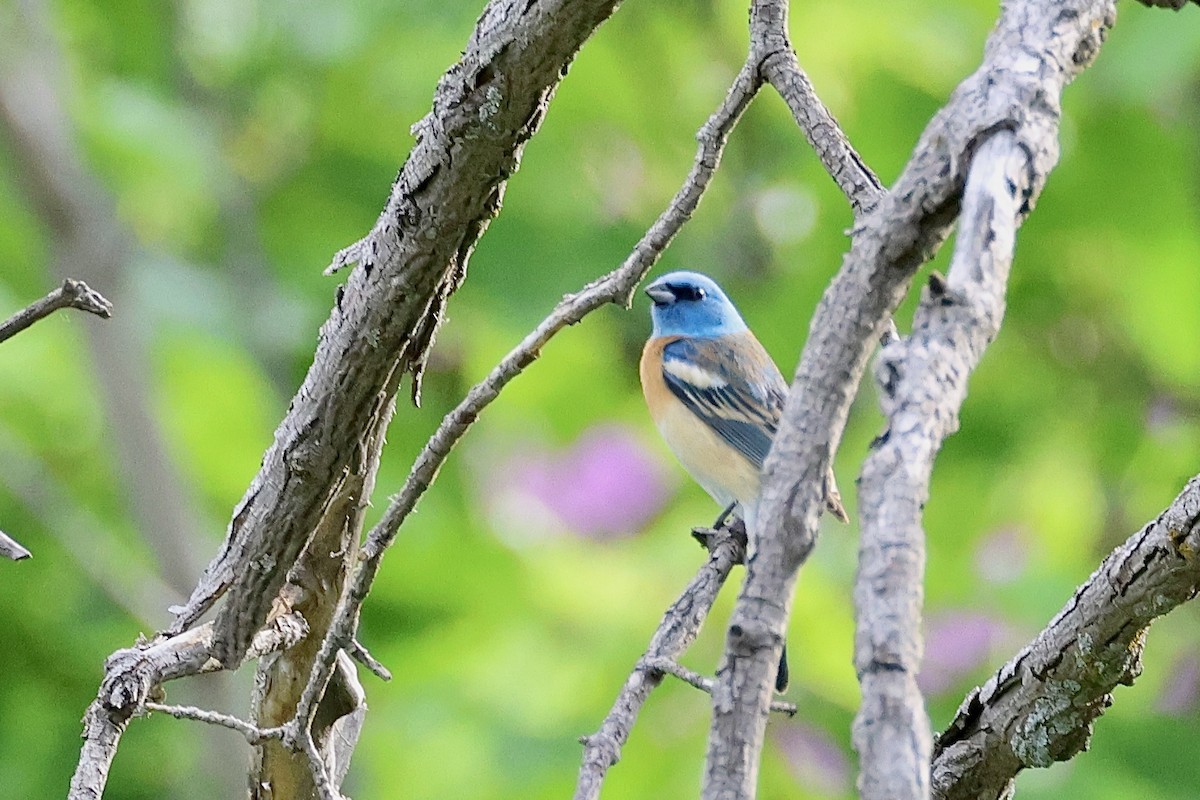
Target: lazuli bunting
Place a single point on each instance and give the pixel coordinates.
(715, 395)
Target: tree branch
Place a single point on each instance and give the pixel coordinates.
(485, 109)
(616, 287)
(698, 681)
(1174, 5)
(1039, 707)
(132, 675)
(679, 627)
(72, 294)
(313, 589)
(364, 657)
(779, 67)
(12, 549)
(923, 382)
(1036, 49)
(303, 475)
(254, 734)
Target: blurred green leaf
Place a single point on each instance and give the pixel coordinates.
(243, 143)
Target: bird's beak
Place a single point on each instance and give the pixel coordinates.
(661, 295)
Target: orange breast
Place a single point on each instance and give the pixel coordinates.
(722, 471)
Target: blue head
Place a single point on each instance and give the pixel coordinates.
(691, 304)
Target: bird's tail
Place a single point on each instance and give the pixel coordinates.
(781, 676)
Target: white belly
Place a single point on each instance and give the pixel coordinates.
(723, 472)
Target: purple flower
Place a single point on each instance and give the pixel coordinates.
(605, 484)
(1000, 556)
(956, 644)
(1179, 693)
(818, 763)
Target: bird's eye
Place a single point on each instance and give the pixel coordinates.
(685, 292)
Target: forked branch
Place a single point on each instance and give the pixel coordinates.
(1037, 47)
(72, 294)
(678, 629)
(616, 287)
(923, 382)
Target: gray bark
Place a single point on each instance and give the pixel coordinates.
(923, 382)
(678, 629)
(1039, 707)
(1037, 48)
(485, 109)
(995, 140)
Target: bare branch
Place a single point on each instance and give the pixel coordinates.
(314, 588)
(397, 297)
(131, 675)
(364, 657)
(324, 750)
(253, 733)
(779, 67)
(11, 548)
(325, 788)
(616, 287)
(669, 666)
(1037, 47)
(678, 629)
(102, 730)
(768, 25)
(923, 382)
(485, 109)
(1039, 707)
(72, 294)
(1174, 5)
(698, 681)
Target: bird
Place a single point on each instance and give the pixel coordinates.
(715, 395)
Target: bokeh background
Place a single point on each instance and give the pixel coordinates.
(223, 150)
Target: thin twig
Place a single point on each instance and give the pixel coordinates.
(325, 788)
(669, 666)
(616, 287)
(131, 674)
(363, 656)
(679, 627)
(11, 548)
(672, 667)
(779, 67)
(485, 109)
(253, 733)
(72, 294)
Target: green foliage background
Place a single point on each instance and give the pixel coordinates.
(243, 142)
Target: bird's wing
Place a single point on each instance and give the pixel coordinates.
(732, 385)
